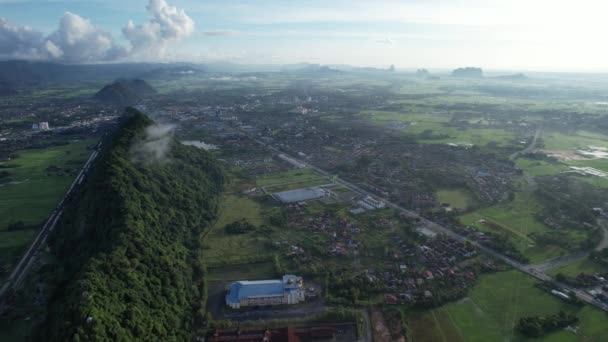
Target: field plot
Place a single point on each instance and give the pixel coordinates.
(517, 219)
(579, 266)
(456, 198)
(569, 142)
(36, 181)
(434, 128)
(219, 246)
(286, 177)
(540, 167)
(492, 309)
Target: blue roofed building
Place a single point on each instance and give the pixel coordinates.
(289, 290)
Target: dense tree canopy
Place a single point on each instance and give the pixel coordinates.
(127, 249)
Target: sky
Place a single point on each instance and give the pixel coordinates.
(501, 35)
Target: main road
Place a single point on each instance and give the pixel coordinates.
(443, 230)
(26, 261)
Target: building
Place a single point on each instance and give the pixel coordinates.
(370, 203)
(293, 162)
(41, 126)
(301, 195)
(289, 290)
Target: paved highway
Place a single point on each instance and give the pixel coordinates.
(24, 264)
(443, 230)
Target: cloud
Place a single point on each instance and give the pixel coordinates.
(18, 41)
(386, 40)
(167, 24)
(77, 40)
(213, 33)
(155, 145)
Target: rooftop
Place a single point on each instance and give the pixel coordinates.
(299, 195)
(244, 289)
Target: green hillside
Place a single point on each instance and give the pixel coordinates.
(128, 258)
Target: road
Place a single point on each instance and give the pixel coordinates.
(561, 261)
(367, 327)
(530, 146)
(530, 270)
(557, 262)
(26, 261)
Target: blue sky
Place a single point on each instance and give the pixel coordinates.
(515, 34)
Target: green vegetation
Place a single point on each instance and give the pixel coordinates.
(537, 326)
(36, 181)
(221, 248)
(573, 141)
(128, 265)
(239, 227)
(456, 198)
(536, 167)
(517, 219)
(438, 128)
(286, 177)
(493, 308)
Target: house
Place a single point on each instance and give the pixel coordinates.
(289, 290)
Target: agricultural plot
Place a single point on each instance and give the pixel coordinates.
(540, 167)
(579, 266)
(457, 198)
(35, 183)
(435, 128)
(219, 246)
(492, 309)
(287, 177)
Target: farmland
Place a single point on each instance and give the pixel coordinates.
(493, 307)
(36, 182)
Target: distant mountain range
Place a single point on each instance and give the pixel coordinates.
(468, 72)
(514, 77)
(125, 92)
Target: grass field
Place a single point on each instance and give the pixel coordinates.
(35, 193)
(456, 198)
(540, 167)
(262, 270)
(492, 309)
(286, 177)
(580, 266)
(516, 217)
(438, 123)
(298, 185)
(577, 140)
(220, 246)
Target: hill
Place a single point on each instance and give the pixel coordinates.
(469, 72)
(29, 72)
(125, 91)
(128, 262)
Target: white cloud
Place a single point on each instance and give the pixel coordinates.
(18, 41)
(386, 40)
(167, 24)
(77, 40)
(214, 33)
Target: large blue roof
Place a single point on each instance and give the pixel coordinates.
(244, 289)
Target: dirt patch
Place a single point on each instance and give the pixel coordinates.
(379, 329)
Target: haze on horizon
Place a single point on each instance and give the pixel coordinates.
(509, 35)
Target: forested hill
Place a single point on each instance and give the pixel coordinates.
(128, 252)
